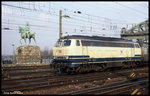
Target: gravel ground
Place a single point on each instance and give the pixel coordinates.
(74, 87)
(78, 86)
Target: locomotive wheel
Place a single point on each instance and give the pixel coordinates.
(97, 68)
(81, 70)
(69, 71)
(103, 67)
(59, 71)
(125, 66)
(77, 69)
(85, 68)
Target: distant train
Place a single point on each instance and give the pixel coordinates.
(79, 54)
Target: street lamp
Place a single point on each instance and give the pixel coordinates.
(13, 53)
(60, 22)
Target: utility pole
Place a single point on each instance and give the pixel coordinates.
(13, 54)
(60, 24)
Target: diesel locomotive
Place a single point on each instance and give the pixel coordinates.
(79, 54)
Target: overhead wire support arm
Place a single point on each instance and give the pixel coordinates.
(60, 23)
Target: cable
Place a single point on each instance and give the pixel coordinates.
(93, 15)
(130, 8)
(30, 25)
(32, 18)
(53, 21)
(74, 19)
(55, 28)
(64, 26)
(141, 5)
(55, 14)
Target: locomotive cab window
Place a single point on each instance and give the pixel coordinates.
(137, 46)
(66, 43)
(58, 43)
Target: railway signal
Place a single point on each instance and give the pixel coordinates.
(132, 75)
(136, 92)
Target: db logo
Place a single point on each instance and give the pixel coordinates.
(59, 51)
(121, 51)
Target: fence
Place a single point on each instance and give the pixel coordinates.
(7, 59)
(36, 59)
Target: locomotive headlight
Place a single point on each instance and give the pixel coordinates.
(54, 57)
(61, 57)
(67, 57)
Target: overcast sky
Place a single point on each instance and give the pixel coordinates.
(95, 18)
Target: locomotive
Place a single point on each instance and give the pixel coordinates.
(78, 54)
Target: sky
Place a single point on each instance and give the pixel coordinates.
(86, 18)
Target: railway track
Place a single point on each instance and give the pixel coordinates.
(112, 87)
(25, 67)
(10, 72)
(25, 74)
(52, 81)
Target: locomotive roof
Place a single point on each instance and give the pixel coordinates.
(95, 38)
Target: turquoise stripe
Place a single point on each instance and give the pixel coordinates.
(137, 55)
(104, 59)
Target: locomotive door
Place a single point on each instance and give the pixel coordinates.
(84, 50)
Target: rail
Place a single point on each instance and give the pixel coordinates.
(104, 89)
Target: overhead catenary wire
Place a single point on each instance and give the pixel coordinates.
(76, 18)
(130, 8)
(59, 9)
(100, 17)
(94, 31)
(50, 21)
(64, 26)
(81, 20)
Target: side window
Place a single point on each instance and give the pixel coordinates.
(118, 45)
(113, 44)
(122, 45)
(77, 43)
(84, 43)
(126, 45)
(130, 45)
(91, 43)
(104, 43)
(96, 43)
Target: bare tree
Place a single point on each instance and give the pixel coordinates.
(46, 54)
(51, 53)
